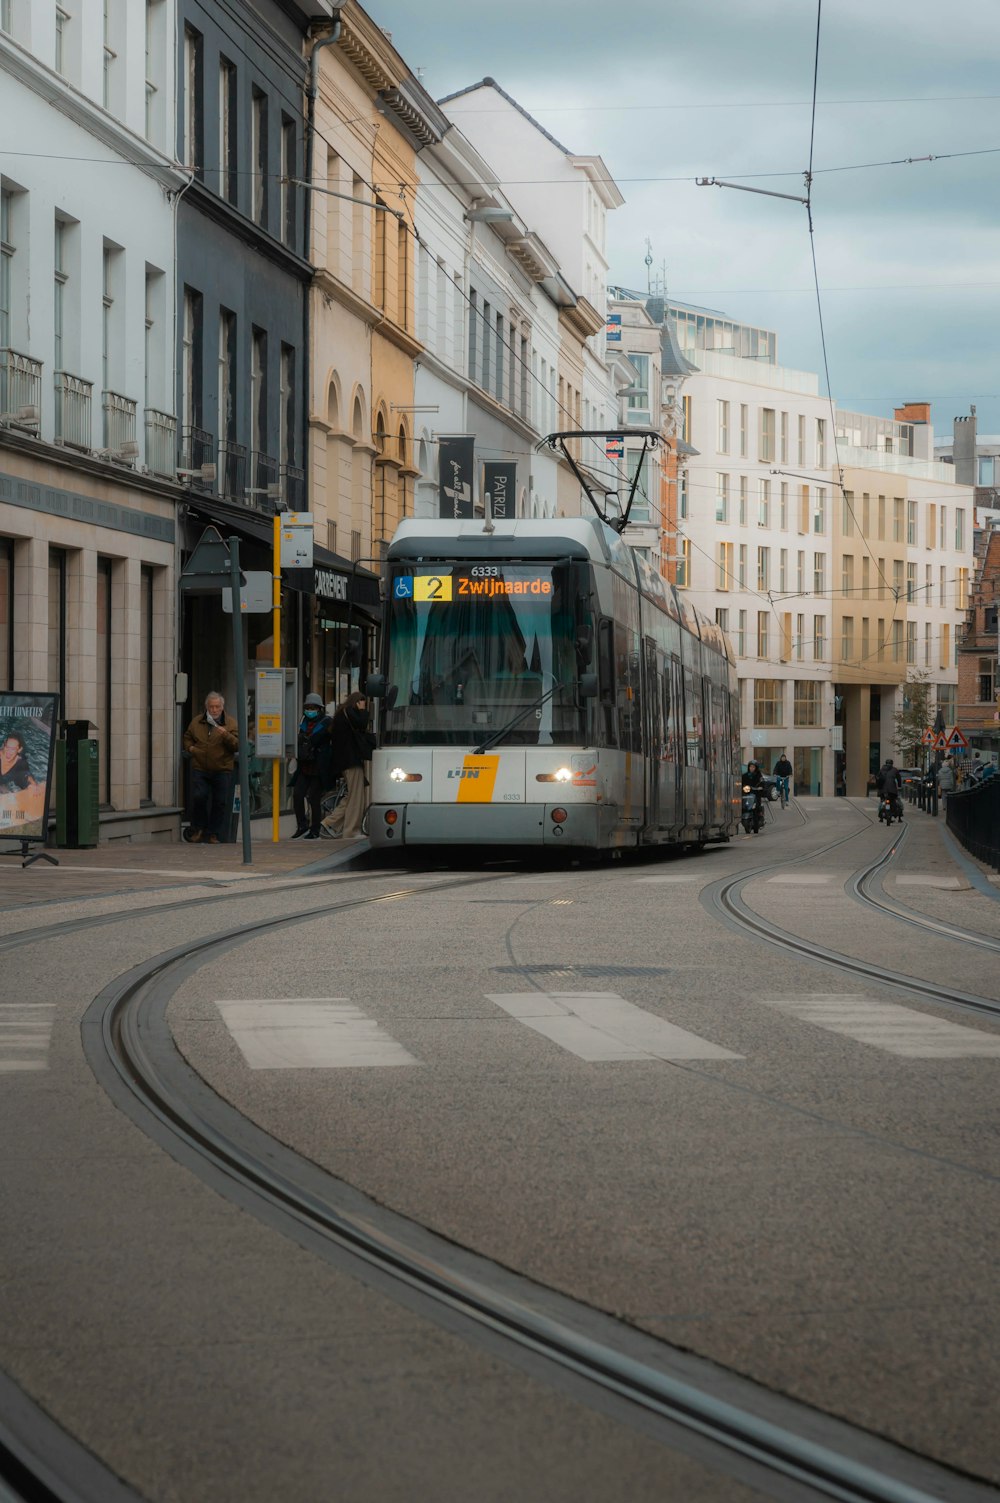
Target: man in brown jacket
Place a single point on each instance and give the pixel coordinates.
(212, 741)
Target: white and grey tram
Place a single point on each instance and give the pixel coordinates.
(542, 685)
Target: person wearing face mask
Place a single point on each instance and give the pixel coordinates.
(313, 775)
(352, 744)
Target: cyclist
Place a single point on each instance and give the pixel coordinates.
(783, 771)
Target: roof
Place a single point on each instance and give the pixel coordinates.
(491, 83)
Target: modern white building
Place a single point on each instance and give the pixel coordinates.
(88, 489)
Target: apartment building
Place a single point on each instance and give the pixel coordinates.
(978, 701)
(88, 488)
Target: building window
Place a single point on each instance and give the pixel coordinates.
(783, 570)
(819, 509)
(911, 641)
(7, 16)
(682, 495)
(897, 519)
(911, 523)
(763, 569)
(638, 394)
(897, 641)
(800, 572)
(847, 639)
(911, 582)
(686, 424)
(227, 376)
(683, 580)
(765, 452)
(819, 638)
(722, 618)
(942, 586)
(962, 590)
(866, 638)
(944, 527)
(112, 352)
(61, 59)
(783, 507)
(819, 573)
(847, 575)
(744, 425)
(768, 706)
(725, 565)
(742, 575)
(741, 635)
(847, 514)
(764, 504)
(821, 443)
(931, 524)
(722, 498)
(258, 392)
(193, 106)
(744, 499)
(191, 384)
(801, 448)
(986, 681)
(258, 157)
(959, 528)
(287, 406)
(110, 55)
(723, 440)
(227, 130)
(289, 171)
(800, 638)
(498, 347)
(808, 704)
(803, 508)
(473, 321)
(897, 577)
(6, 266)
(763, 620)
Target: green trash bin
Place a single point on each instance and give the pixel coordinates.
(78, 768)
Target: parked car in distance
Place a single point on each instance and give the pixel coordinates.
(911, 775)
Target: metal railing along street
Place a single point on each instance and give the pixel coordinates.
(20, 383)
(73, 421)
(119, 420)
(197, 450)
(161, 442)
(974, 820)
(232, 481)
(293, 487)
(264, 474)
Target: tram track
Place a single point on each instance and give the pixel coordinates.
(129, 1046)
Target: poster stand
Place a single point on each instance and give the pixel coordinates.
(27, 746)
(34, 855)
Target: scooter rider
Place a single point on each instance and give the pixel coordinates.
(888, 783)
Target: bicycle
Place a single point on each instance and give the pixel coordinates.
(784, 792)
(329, 803)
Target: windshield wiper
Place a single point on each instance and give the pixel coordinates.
(499, 735)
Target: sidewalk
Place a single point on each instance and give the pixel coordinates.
(123, 867)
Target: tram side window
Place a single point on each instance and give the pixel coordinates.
(606, 680)
(669, 739)
(628, 683)
(694, 724)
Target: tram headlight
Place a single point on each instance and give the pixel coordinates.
(400, 775)
(561, 775)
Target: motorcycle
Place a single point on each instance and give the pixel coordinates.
(889, 809)
(752, 811)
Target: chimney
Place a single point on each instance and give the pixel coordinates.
(913, 412)
(964, 448)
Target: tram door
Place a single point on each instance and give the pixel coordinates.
(675, 741)
(653, 737)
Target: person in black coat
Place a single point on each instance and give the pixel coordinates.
(313, 774)
(351, 747)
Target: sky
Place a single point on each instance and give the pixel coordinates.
(907, 256)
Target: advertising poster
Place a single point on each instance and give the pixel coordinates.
(455, 475)
(500, 485)
(27, 748)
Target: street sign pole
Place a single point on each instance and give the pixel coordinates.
(241, 700)
(276, 660)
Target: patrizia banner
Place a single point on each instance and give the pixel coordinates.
(27, 745)
(500, 485)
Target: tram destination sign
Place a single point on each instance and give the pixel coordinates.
(488, 582)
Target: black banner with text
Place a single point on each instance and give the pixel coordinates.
(455, 475)
(500, 485)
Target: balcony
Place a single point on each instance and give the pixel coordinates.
(265, 482)
(197, 451)
(233, 471)
(119, 425)
(73, 420)
(20, 390)
(293, 487)
(161, 443)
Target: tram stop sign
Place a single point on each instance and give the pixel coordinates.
(207, 571)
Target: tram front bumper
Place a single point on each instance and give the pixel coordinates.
(483, 824)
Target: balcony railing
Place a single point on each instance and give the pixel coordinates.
(265, 476)
(119, 423)
(198, 450)
(161, 442)
(73, 420)
(293, 487)
(233, 471)
(20, 388)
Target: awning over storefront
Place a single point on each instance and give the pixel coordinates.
(331, 578)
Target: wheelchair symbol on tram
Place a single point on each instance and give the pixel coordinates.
(403, 589)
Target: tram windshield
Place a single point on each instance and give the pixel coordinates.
(472, 645)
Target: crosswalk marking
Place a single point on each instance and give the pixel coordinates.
(25, 1032)
(680, 877)
(310, 1033)
(600, 1026)
(889, 1026)
(801, 879)
(930, 881)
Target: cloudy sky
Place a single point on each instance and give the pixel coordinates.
(908, 256)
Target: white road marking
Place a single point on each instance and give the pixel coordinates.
(801, 879)
(599, 1026)
(309, 1033)
(25, 1033)
(688, 877)
(930, 881)
(889, 1026)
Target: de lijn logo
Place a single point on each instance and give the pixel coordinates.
(464, 772)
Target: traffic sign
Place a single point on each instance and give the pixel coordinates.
(956, 741)
(927, 739)
(941, 742)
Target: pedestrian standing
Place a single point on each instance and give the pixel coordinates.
(212, 741)
(946, 777)
(313, 775)
(351, 745)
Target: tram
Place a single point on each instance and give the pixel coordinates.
(541, 685)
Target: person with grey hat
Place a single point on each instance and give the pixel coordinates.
(312, 773)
